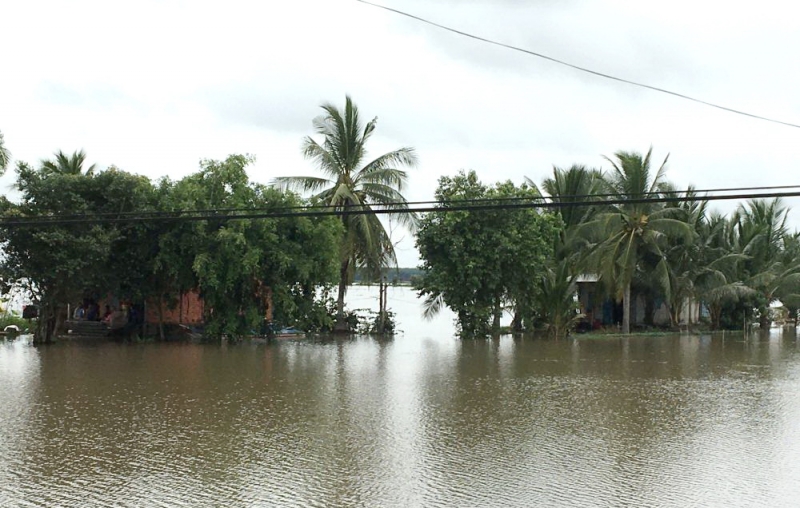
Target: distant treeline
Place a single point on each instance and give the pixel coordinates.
(393, 276)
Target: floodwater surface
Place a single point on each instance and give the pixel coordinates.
(420, 420)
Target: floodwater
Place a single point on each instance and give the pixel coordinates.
(420, 420)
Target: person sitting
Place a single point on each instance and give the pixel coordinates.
(79, 313)
(92, 312)
(117, 319)
(108, 316)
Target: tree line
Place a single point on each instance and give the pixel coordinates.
(478, 262)
(231, 263)
(616, 226)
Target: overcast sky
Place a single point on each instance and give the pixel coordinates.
(154, 86)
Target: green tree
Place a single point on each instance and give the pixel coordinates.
(351, 185)
(477, 261)
(571, 189)
(555, 298)
(684, 257)
(770, 269)
(58, 263)
(5, 155)
(64, 164)
(633, 227)
(717, 281)
(239, 262)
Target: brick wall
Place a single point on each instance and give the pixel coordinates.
(188, 311)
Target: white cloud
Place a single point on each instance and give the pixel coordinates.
(154, 86)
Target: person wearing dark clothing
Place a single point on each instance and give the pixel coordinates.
(92, 312)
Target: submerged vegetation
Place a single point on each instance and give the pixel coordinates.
(353, 185)
(625, 234)
(109, 235)
(628, 233)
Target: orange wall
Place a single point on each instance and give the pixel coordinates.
(189, 310)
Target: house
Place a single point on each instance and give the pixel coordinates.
(187, 309)
(602, 310)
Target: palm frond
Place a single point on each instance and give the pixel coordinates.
(673, 228)
(382, 169)
(300, 183)
(432, 305)
(326, 161)
(5, 155)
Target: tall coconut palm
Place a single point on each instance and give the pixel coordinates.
(571, 188)
(715, 266)
(64, 164)
(633, 228)
(5, 155)
(772, 270)
(351, 185)
(685, 259)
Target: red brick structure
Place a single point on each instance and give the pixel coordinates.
(188, 311)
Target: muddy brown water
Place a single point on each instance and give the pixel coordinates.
(420, 420)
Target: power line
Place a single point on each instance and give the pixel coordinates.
(568, 199)
(451, 207)
(577, 67)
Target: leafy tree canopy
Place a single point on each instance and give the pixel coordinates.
(476, 261)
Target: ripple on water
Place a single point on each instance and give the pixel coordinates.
(403, 423)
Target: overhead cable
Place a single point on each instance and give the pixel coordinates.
(597, 197)
(578, 67)
(447, 207)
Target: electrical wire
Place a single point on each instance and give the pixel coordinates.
(451, 207)
(597, 198)
(579, 68)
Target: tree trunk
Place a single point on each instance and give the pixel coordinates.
(498, 312)
(763, 319)
(48, 324)
(626, 309)
(161, 317)
(649, 311)
(341, 325)
(715, 312)
(516, 323)
(381, 307)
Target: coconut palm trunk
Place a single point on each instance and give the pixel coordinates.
(626, 309)
(352, 185)
(634, 227)
(341, 324)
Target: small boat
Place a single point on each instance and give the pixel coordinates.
(289, 333)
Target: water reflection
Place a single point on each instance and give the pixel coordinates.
(414, 421)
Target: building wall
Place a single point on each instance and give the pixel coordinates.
(595, 306)
(188, 311)
(591, 302)
(191, 309)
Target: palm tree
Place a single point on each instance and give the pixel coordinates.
(571, 189)
(67, 165)
(772, 270)
(350, 185)
(633, 228)
(555, 299)
(556, 287)
(715, 277)
(685, 259)
(5, 155)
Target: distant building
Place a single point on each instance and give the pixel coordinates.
(601, 309)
